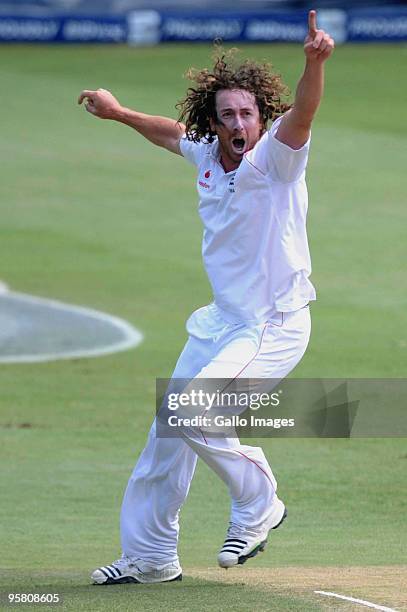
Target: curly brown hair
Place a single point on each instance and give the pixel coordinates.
(199, 105)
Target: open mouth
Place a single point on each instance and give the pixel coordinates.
(238, 144)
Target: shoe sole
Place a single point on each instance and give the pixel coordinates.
(260, 547)
(131, 579)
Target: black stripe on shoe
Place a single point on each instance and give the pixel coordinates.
(236, 540)
(105, 573)
(232, 547)
(109, 570)
(117, 570)
(235, 543)
(229, 550)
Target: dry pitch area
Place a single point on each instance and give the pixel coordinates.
(383, 586)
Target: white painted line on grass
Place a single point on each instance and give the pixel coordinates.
(362, 602)
(132, 336)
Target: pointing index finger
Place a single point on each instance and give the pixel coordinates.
(312, 23)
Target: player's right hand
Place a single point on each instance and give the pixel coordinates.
(100, 103)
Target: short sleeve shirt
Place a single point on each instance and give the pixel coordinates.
(255, 247)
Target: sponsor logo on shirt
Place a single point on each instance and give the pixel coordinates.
(203, 183)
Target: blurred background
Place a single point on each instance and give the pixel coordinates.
(153, 21)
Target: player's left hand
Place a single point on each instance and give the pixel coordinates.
(318, 45)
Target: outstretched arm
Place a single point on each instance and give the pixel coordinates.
(160, 131)
(295, 125)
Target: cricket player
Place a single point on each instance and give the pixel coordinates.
(253, 206)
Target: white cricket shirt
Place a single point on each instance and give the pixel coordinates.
(255, 246)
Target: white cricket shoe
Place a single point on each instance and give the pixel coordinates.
(130, 569)
(242, 543)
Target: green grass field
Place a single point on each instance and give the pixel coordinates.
(93, 215)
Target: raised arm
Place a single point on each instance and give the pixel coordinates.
(295, 125)
(161, 131)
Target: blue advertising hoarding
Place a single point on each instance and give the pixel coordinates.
(152, 27)
(63, 29)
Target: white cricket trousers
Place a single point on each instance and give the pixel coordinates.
(161, 479)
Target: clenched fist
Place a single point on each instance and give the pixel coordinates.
(101, 103)
(318, 45)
